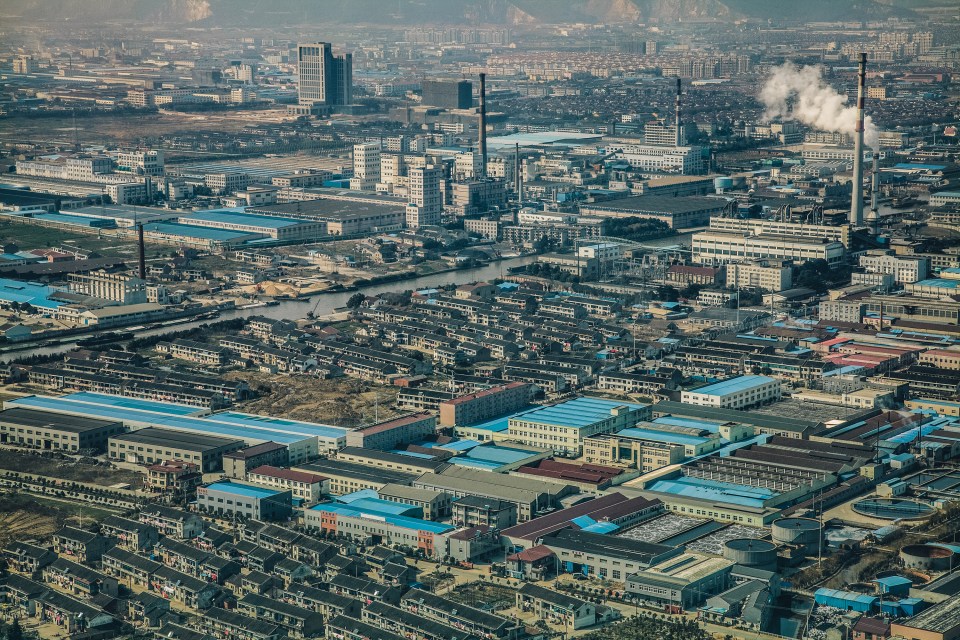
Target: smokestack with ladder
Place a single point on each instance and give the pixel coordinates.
(873, 216)
(677, 140)
(856, 203)
(483, 125)
(141, 253)
(517, 174)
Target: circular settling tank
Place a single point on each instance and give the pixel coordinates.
(893, 508)
(750, 552)
(797, 531)
(927, 556)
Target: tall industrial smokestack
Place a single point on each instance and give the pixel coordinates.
(873, 216)
(677, 115)
(483, 125)
(516, 174)
(856, 204)
(141, 253)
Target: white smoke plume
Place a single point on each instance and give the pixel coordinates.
(800, 93)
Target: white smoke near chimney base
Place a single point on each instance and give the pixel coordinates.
(799, 93)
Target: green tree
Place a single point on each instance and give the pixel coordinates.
(15, 631)
(355, 301)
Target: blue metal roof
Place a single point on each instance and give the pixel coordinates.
(577, 413)
(910, 165)
(707, 425)
(734, 385)
(721, 492)
(281, 424)
(601, 527)
(893, 581)
(243, 490)
(414, 524)
(238, 217)
(940, 283)
(154, 419)
(80, 221)
(845, 596)
(385, 507)
(662, 436)
(496, 453)
(33, 293)
(193, 231)
(499, 424)
(134, 403)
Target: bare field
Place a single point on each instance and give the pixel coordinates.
(65, 469)
(344, 402)
(126, 127)
(27, 517)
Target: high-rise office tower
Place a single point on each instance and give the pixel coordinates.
(448, 94)
(426, 204)
(324, 78)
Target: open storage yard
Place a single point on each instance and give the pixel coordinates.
(67, 468)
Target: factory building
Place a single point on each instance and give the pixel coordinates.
(723, 247)
(228, 499)
(51, 431)
(304, 440)
(274, 227)
(562, 428)
(347, 477)
(768, 275)
(677, 213)
(236, 464)
(604, 556)
(684, 581)
(736, 393)
(153, 446)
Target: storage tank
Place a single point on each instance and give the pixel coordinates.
(797, 531)
(751, 552)
(722, 184)
(927, 557)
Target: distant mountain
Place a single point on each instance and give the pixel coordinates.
(412, 12)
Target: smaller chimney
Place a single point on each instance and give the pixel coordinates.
(483, 125)
(873, 218)
(677, 116)
(141, 253)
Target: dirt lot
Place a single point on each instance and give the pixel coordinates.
(487, 596)
(26, 517)
(344, 402)
(65, 468)
(129, 127)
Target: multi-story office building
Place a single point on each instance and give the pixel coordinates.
(141, 163)
(467, 165)
(905, 269)
(448, 94)
(657, 158)
(325, 79)
(842, 310)
(366, 166)
(477, 196)
(115, 287)
(426, 202)
(768, 275)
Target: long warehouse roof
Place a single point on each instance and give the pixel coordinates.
(238, 425)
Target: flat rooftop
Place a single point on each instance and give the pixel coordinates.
(239, 217)
(91, 408)
(246, 490)
(660, 436)
(655, 204)
(330, 208)
(714, 491)
(577, 413)
(734, 385)
(194, 231)
(171, 438)
(330, 467)
(44, 419)
(754, 418)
